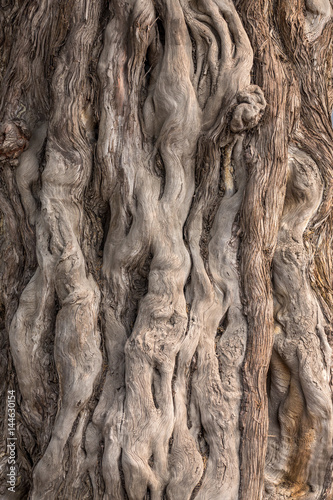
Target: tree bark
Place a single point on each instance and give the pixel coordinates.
(166, 236)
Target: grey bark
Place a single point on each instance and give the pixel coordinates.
(166, 237)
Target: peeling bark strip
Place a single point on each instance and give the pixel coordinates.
(260, 217)
(166, 241)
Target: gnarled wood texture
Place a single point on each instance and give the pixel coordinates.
(166, 242)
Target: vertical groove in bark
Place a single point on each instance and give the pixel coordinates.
(197, 238)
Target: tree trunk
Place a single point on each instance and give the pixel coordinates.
(166, 240)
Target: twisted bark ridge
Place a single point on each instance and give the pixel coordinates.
(166, 236)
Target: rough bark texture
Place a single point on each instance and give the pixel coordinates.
(166, 230)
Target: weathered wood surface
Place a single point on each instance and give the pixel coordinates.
(166, 279)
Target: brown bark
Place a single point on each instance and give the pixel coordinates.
(166, 287)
